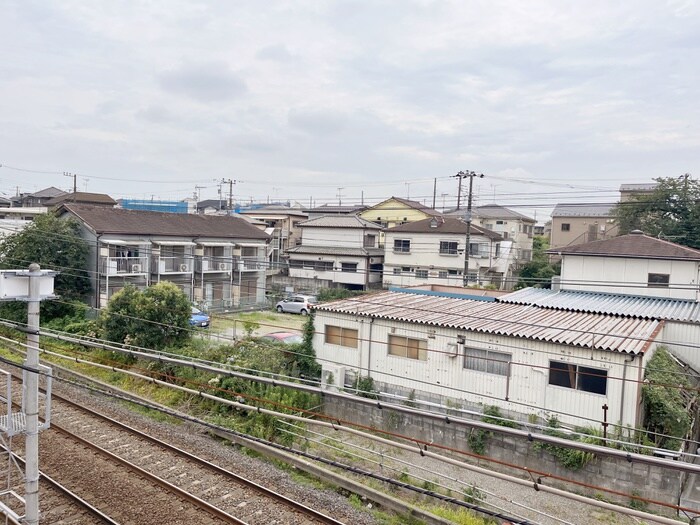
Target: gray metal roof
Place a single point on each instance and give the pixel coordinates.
(587, 330)
(340, 221)
(334, 250)
(650, 186)
(583, 210)
(606, 303)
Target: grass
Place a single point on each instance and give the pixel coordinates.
(268, 320)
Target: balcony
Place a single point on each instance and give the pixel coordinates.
(165, 265)
(213, 265)
(249, 264)
(123, 265)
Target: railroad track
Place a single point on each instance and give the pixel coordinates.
(214, 491)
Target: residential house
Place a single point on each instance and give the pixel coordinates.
(37, 199)
(581, 223)
(395, 211)
(82, 197)
(341, 251)
(331, 209)
(13, 220)
(218, 261)
(630, 192)
(212, 206)
(431, 251)
(466, 352)
(283, 226)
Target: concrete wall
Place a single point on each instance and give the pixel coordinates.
(631, 478)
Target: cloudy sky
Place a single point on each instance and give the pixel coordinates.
(553, 101)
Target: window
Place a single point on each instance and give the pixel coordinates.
(454, 272)
(565, 227)
(658, 280)
(406, 269)
(337, 335)
(448, 247)
(442, 274)
(370, 241)
(397, 271)
(406, 347)
(505, 235)
(578, 377)
(501, 222)
(526, 255)
(348, 267)
(402, 245)
(497, 250)
(421, 274)
(487, 361)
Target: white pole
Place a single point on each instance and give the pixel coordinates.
(31, 496)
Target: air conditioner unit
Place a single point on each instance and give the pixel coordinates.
(135, 268)
(223, 267)
(183, 268)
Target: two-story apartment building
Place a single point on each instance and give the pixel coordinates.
(581, 223)
(394, 211)
(432, 251)
(338, 251)
(216, 260)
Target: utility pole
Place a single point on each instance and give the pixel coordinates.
(75, 183)
(459, 176)
(434, 190)
(230, 183)
(468, 219)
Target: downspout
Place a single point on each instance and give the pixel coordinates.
(369, 347)
(629, 359)
(98, 273)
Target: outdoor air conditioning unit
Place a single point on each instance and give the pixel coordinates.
(135, 268)
(183, 268)
(223, 267)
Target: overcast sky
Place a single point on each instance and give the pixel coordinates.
(552, 101)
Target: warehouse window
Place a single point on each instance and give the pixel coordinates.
(487, 361)
(658, 280)
(337, 335)
(578, 377)
(406, 347)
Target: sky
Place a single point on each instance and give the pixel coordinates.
(349, 101)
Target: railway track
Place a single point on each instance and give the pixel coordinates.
(213, 491)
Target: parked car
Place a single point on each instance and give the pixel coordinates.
(199, 318)
(296, 304)
(287, 338)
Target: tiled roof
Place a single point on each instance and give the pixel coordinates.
(587, 330)
(411, 204)
(83, 198)
(443, 225)
(583, 210)
(334, 250)
(336, 210)
(660, 308)
(340, 221)
(102, 220)
(635, 245)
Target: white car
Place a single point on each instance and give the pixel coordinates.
(296, 304)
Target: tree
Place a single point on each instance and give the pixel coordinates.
(539, 271)
(55, 244)
(156, 317)
(671, 212)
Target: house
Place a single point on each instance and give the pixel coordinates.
(431, 251)
(581, 223)
(212, 206)
(82, 197)
(13, 220)
(330, 209)
(395, 211)
(465, 352)
(341, 251)
(630, 192)
(283, 226)
(216, 260)
(39, 198)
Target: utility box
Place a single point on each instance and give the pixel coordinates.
(14, 285)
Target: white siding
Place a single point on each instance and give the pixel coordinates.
(442, 374)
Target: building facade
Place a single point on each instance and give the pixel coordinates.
(581, 223)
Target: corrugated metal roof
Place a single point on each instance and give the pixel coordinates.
(587, 330)
(606, 303)
(583, 210)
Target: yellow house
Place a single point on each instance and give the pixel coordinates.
(395, 211)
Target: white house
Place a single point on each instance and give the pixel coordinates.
(431, 251)
(340, 250)
(216, 260)
(13, 220)
(459, 351)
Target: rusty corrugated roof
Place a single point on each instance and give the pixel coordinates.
(587, 330)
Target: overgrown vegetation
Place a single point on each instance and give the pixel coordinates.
(478, 438)
(570, 458)
(666, 416)
(331, 294)
(539, 271)
(364, 387)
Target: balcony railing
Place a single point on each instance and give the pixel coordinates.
(123, 265)
(214, 264)
(249, 264)
(173, 264)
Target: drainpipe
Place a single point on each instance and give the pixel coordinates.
(628, 359)
(97, 272)
(369, 347)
